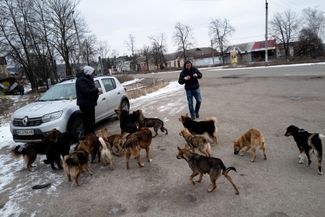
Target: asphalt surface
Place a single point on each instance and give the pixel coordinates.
(269, 99)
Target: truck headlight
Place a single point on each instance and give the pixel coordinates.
(51, 116)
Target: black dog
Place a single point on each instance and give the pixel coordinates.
(31, 150)
(54, 146)
(308, 143)
(128, 121)
(60, 148)
(200, 127)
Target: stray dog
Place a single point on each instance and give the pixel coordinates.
(200, 165)
(156, 123)
(134, 143)
(200, 127)
(128, 122)
(196, 142)
(60, 148)
(91, 144)
(308, 143)
(114, 141)
(105, 153)
(252, 139)
(30, 150)
(75, 163)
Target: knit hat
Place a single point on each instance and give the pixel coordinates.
(88, 70)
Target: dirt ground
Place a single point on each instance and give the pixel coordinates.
(277, 187)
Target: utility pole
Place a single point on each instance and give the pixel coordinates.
(266, 41)
(78, 39)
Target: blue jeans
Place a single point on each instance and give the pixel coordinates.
(197, 95)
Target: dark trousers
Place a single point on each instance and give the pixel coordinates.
(88, 119)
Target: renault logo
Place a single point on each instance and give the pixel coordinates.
(25, 121)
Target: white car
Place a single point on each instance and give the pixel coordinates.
(57, 108)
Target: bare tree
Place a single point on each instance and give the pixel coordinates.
(158, 49)
(89, 49)
(130, 43)
(103, 49)
(314, 20)
(285, 27)
(62, 16)
(183, 38)
(146, 53)
(220, 31)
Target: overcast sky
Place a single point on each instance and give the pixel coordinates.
(114, 20)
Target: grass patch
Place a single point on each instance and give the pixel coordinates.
(134, 93)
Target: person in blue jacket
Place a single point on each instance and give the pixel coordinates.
(189, 76)
(87, 95)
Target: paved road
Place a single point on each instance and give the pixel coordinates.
(266, 98)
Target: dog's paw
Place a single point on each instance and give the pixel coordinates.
(242, 153)
(150, 160)
(252, 160)
(320, 173)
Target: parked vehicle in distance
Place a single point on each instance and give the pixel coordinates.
(57, 108)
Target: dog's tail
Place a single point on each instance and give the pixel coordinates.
(18, 151)
(103, 143)
(163, 129)
(227, 170)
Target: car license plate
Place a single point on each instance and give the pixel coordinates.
(25, 132)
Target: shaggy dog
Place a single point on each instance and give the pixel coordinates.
(200, 127)
(200, 165)
(251, 139)
(75, 163)
(196, 142)
(308, 143)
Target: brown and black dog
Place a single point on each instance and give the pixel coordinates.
(31, 150)
(200, 165)
(75, 163)
(155, 123)
(134, 143)
(208, 126)
(252, 139)
(196, 142)
(91, 144)
(114, 141)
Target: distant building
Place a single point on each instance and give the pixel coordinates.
(251, 51)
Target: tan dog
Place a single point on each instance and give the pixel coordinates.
(75, 163)
(196, 142)
(134, 143)
(252, 139)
